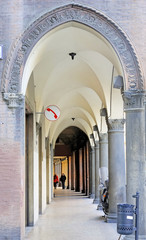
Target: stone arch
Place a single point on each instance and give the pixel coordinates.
(13, 70)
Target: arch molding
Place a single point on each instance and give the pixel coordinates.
(13, 70)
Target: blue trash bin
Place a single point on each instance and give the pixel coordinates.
(125, 219)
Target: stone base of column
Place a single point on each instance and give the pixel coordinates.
(132, 237)
(96, 201)
(111, 218)
(92, 195)
(99, 207)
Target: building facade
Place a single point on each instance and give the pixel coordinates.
(88, 59)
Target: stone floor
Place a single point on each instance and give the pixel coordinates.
(72, 216)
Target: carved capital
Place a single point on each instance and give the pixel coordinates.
(133, 101)
(116, 124)
(103, 137)
(13, 100)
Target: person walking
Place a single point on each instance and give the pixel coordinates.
(55, 180)
(62, 179)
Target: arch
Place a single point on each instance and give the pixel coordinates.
(13, 70)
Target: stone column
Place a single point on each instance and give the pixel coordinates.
(97, 192)
(87, 167)
(81, 170)
(135, 155)
(90, 173)
(117, 191)
(72, 170)
(85, 172)
(103, 157)
(93, 172)
(70, 173)
(103, 150)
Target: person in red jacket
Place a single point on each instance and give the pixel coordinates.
(55, 180)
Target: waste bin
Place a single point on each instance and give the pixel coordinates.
(125, 219)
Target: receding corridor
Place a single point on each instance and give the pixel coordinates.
(72, 215)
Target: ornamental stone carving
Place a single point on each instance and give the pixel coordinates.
(116, 124)
(134, 101)
(15, 63)
(103, 138)
(14, 100)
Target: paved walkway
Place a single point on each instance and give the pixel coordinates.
(72, 216)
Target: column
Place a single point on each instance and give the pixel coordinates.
(135, 155)
(103, 150)
(85, 172)
(81, 170)
(90, 173)
(117, 190)
(93, 173)
(70, 173)
(73, 172)
(103, 160)
(87, 167)
(97, 192)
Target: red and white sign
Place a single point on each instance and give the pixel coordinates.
(52, 113)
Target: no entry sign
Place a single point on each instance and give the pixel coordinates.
(52, 113)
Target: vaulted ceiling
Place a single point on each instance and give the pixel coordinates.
(80, 87)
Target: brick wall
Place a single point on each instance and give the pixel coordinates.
(11, 173)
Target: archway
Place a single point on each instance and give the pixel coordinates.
(18, 71)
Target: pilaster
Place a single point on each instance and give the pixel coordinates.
(12, 168)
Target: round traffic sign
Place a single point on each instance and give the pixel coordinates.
(52, 113)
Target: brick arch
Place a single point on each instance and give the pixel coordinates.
(13, 71)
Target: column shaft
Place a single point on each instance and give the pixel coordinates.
(135, 155)
(117, 192)
(103, 161)
(97, 193)
(93, 172)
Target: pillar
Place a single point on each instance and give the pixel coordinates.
(97, 192)
(93, 173)
(135, 155)
(70, 173)
(103, 150)
(85, 171)
(29, 170)
(73, 172)
(90, 173)
(87, 167)
(117, 191)
(103, 159)
(51, 159)
(81, 170)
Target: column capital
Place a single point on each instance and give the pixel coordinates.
(14, 100)
(103, 138)
(116, 124)
(134, 100)
(96, 144)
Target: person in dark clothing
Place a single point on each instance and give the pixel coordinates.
(62, 179)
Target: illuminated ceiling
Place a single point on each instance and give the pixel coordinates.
(80, 87)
